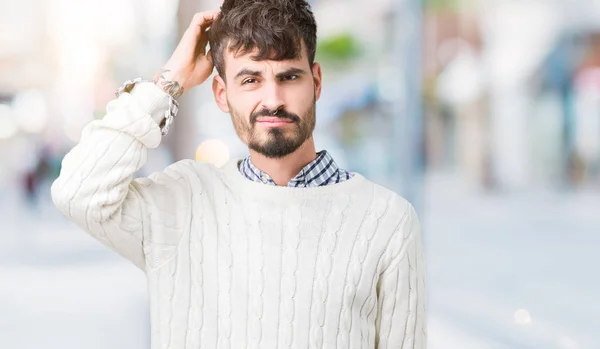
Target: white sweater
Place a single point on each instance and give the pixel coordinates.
(233, 263)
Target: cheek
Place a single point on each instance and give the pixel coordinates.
(246, 102)
(301, 99)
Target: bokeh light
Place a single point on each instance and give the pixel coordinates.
(213, 151)
(522, 317)
(31, 111)
(8, 125)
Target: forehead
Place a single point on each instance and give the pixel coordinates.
(234, 61)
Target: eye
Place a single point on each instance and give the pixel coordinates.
(290, 77)
(248, 81)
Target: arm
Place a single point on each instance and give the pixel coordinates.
(95, 188)
(402, 292)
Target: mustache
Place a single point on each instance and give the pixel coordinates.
(279, 113)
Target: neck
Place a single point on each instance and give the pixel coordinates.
(282, 170)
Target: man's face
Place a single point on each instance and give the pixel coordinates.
(272, 103)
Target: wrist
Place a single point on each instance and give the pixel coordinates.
(170, 81)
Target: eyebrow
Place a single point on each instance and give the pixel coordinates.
(290, 71)
(247, 72)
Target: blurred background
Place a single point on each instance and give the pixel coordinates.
(483, 113)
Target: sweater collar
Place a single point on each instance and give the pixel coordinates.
(237, 181)
(321, 171)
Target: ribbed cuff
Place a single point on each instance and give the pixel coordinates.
(151, 99)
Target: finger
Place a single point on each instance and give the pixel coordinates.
(200, 49)
(203, 19)
(203, 37)
(195, 34)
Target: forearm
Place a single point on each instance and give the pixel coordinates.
(95, 188)
(96, 173)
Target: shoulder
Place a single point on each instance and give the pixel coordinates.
(403, 228)
(184, 172)
(398, 207)
(394, 204)
(395, 213)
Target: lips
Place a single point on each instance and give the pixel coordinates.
(273, 120)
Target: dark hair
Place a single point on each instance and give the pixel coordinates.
(277, 28)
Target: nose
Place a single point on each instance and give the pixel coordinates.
(273, 97)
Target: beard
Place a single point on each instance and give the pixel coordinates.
(278, 141)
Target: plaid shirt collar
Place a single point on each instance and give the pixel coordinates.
(321, 171)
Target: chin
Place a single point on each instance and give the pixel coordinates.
(275, 150)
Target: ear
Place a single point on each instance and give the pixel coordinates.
(220, 93)
(318, 79)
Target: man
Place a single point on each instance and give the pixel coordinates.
(280, 249)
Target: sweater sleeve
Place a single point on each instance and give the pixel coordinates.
(96, 190)
(402, 292)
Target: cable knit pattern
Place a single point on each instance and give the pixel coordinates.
(371, 225)
(195, 320)
(255, 277)
(327, 245)
(225, 262)
(355, 266)
(233, 263)
(291, 240)
(166, 289)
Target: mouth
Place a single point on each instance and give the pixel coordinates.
(273, 121)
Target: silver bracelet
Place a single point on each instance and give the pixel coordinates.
(169, 113)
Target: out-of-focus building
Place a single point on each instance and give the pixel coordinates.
(487, 119)
(60, 67)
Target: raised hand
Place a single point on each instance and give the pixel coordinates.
(189, 64)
